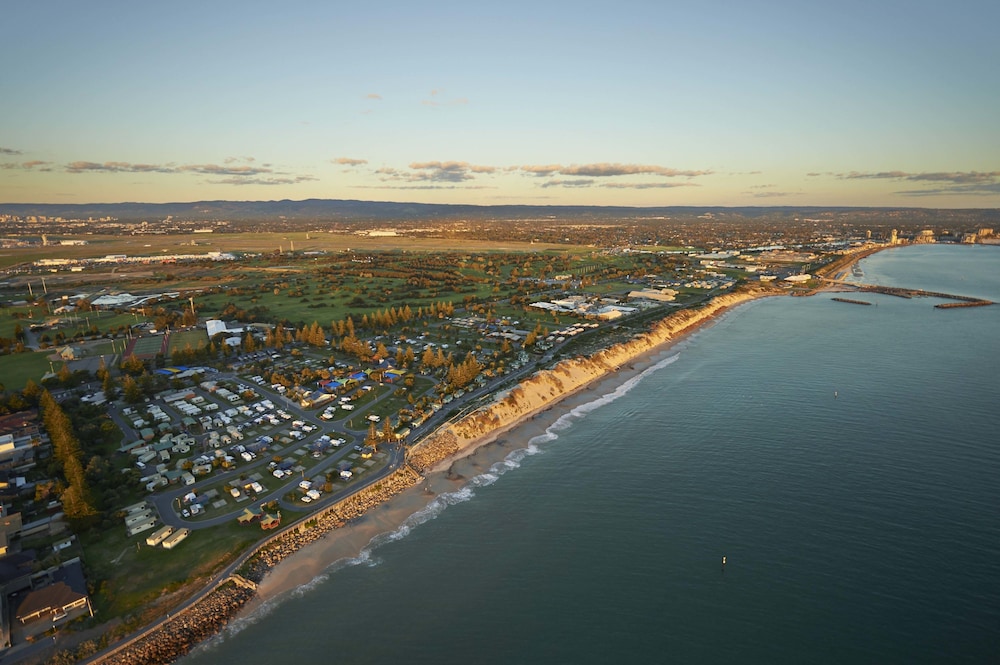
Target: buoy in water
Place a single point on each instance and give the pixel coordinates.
(723, 561)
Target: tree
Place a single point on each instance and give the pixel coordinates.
(130, 390)
(133, 366)
(76, 499)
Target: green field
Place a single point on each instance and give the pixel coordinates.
(130, 574)
(17, 368)
(180, 340)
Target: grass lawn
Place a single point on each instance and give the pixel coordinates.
(148, 345)
(17, 368)
(129, 574)
(195, 337)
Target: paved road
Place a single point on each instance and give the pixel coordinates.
(168, 503)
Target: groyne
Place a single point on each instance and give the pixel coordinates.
(853, 302)
(970, 303)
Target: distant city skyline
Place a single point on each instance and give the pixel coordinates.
(633, 103)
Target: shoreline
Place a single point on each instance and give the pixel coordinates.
(456, 452)
(441, 463)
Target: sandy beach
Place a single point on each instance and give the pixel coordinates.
(439, 469)
(462, 450)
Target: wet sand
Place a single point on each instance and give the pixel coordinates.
(448, 475)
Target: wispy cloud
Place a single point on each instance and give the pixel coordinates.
(262, 181)
(436, 100)
(348, 161)
(231, 172)
(590, 182)
(950, 182)
(979, 189)
(956, 177)
(462, 187)
(129, 167)
(769, 194)
(373, 95)
(117, 167)
(434, 171)
(606, 170)
(9, 151)
(581, 182)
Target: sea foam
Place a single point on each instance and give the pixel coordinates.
(440, 503)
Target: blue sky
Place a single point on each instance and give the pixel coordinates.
(586, 103)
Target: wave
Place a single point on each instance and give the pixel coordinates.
(440, 503)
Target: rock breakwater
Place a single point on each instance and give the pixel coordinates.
(287, 543)
(178, 635)
(210, 614)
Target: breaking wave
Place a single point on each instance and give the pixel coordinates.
(440, 503)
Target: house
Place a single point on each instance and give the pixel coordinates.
(248, 516)
(159, 536)
(174, 539)
(59, 596)
(68, 353)
(15, 571)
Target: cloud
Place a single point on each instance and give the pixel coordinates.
(262, 181)
(117, 167)
(9, 151)
(434, 171)
(128, 167)
(590, 182)
(462, 187)
(435, 101)
(373, 95)
(979, 189)
(606, 170)
(647, 185)
(33, 163)
(882, 175)
(769, 195)
(583, 182)
(348, 161)
(977, 183)
(956, 177)
(215, 169)
(231, 174)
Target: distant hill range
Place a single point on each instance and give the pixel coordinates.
(349, 210)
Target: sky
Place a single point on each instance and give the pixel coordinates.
(635, 103)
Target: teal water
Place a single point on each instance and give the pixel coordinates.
(845, 459)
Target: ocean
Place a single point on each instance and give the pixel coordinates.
(844, 459)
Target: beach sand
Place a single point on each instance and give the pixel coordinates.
(475, 456)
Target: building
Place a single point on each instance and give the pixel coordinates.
(58, 595)
(658, 295)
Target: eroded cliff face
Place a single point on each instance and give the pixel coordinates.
(542, 389)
